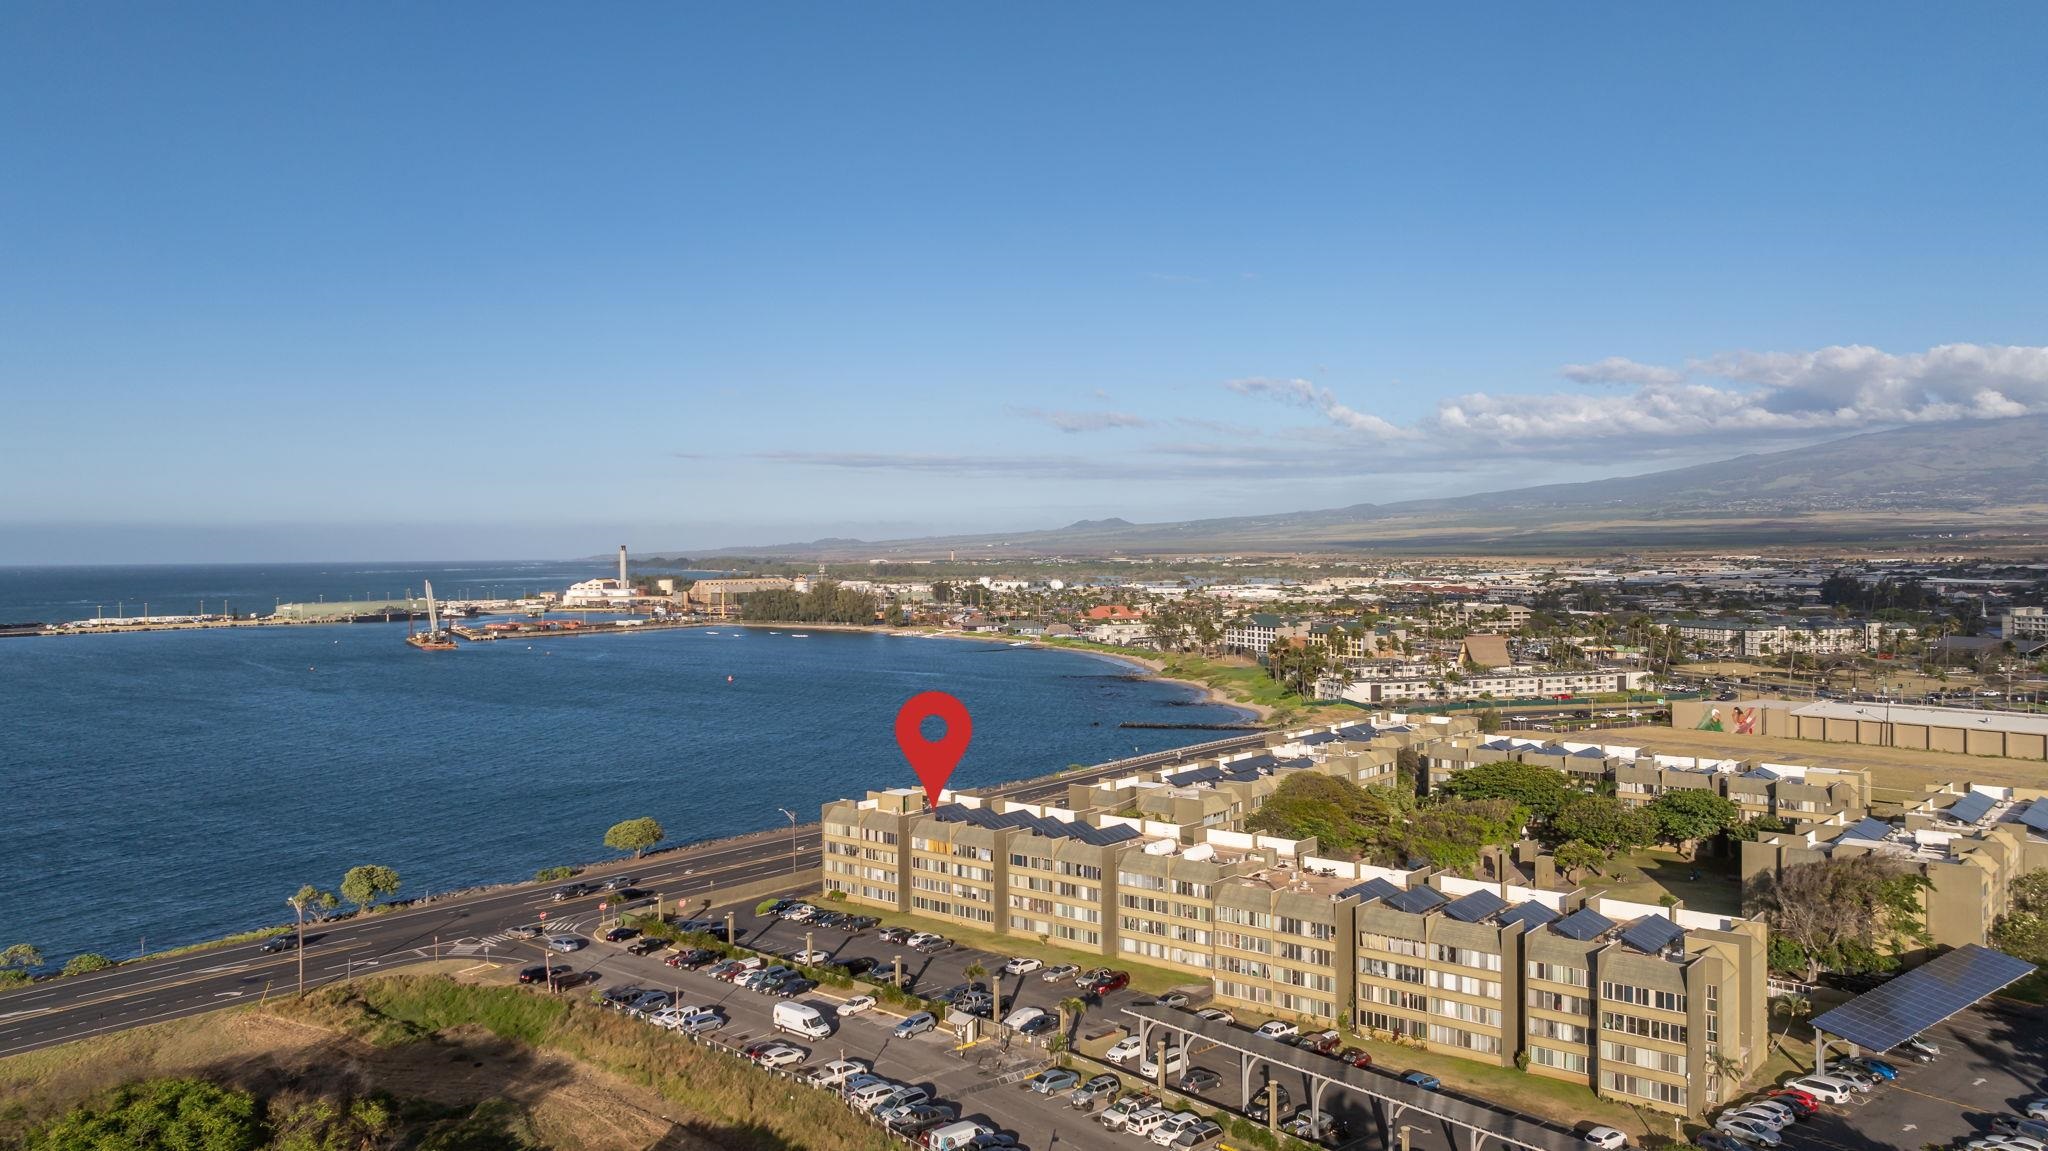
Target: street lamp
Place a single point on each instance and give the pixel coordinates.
(791, 816)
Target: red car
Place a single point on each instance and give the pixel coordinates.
(1356, 1056)
(1114, 981)
(1796, 1099)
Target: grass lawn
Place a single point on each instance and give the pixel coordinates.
(1644, 876)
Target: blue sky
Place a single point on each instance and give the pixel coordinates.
(459, 281)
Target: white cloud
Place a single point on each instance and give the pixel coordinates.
(1085, 421)
(1620, 370)
(1758, 395)
(1303, 394)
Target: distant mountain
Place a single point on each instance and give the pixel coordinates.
(1985, 479)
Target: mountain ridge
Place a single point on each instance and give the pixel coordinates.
(1973, 475)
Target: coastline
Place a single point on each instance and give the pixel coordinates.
(1154, 668)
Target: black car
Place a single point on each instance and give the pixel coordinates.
(647, 946)
(825, 919)
(691, 958)
(622, 997)
(278, 943)
(858, 923)
(894, 934)
(563, 894)
(857, 965)
(619, 934)
(794, 986)
(619, 883)
(539, 974)
(1198, 1080)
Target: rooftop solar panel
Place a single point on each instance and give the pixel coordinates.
(1530, 915)
(1371, 889)
(1583, 925)
(1868, 827)
(2036, 815)
(1417, 900)
(1896, 1011)
(1497, 745)
(1652, 934)
(1971, 808)
(1476, 907)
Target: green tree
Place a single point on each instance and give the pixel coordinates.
(85, 963)
(363, 885)
(1687, 817)
(634, 835)
(1604, 822)
(1450, 835)
(184, 1114)
(1577, 856)
(1489, 721)
(1542, 791)
(1843, 913)
(1343, 817)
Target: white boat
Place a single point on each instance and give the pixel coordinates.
(798, 635)
(1020, 643)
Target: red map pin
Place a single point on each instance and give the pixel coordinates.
(933, 761)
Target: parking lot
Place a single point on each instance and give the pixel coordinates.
(1994, 1058)
(986, 1082)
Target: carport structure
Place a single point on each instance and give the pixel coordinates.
(1391, 1100)
(1881, 1019)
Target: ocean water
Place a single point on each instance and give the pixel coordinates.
(178, 785)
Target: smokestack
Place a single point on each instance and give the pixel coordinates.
(622, 566)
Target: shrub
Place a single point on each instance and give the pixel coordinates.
(86, 963)
(551, 874)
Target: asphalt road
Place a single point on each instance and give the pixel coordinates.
(134, 994)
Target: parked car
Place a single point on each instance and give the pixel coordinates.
(924, 939)
(1776, 1120)
(975, 1003)
(618, 997)
(1022, 965)
(541, 974)
(857, 923)
(1878, 1067)
(1750, 1129)
(1100, 1089)
(857, 1004)
(1711, 1140)
(1821, 1087)
(1058, 972)
(794, 986)
(836, 1072)
(1356, 1056)
(1120, 1111)
(1176, 1061)
(920, 1117)
(2036, 1108)
(1605, 1138)
(1177, 1122)
(1015, 1020)
(567, 943)
(619, 934)
(691, 959)
(916, 1024)
(1113, 981)
(1177, 999)
(1203, 1134)
(647, 946)
(1198, 1080)
(1039, 1025)
(1215, 1015)
(1322, 1043)
(1423, 1080)
(1124, 1050)
(1278, 1029)
(1794, 1098)
(894, 935)
(1055, 1079)
(782, 1055)
(703, 1022)
(1316, 1128)
(1271, 1095)
(1145, 1122)
(2026, 1128)
(810, 958)
(1785, 1112)
(1919, 1046)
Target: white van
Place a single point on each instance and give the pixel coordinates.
(801, 1019)
(955, 1136)
(1825, 1088)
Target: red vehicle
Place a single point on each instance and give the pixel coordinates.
(1114, 981)
(1794, 1098)
(1356, 1056)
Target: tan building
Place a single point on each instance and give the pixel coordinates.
(1956, 730)
(721, 597)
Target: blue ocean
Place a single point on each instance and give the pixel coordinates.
(177, 785)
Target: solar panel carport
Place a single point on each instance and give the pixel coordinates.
(1390, 1099)
(1901, 1008)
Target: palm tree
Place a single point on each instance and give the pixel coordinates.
(1070, 1015)
(1791, 1007)
(976, 973)
(1723, 1070)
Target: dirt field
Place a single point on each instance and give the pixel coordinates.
(1892, 769)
